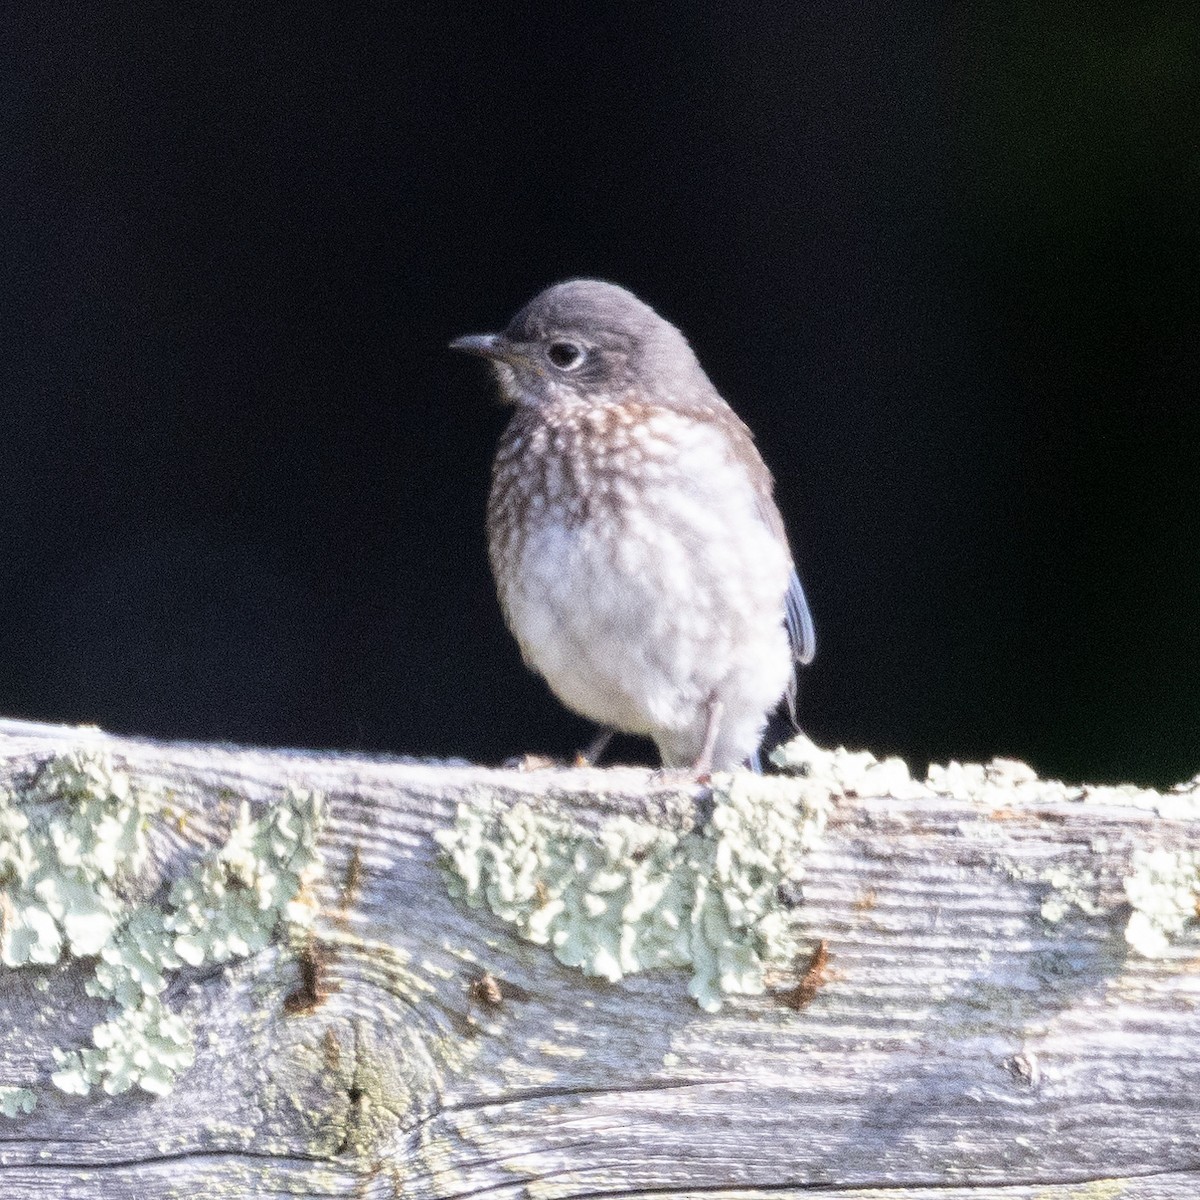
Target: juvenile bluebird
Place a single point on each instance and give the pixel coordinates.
(638, 553)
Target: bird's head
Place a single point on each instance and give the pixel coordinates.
(593, 342)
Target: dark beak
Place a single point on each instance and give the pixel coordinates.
(485, 345)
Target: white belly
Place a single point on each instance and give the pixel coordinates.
(640, 614)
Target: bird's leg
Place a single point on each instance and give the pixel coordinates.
(596, 747)
(702, 767)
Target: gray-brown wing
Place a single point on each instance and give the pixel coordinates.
(801, 632)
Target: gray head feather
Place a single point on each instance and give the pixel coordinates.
(623, 343)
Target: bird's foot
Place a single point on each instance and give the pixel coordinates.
(529, 762)
(596, 747)
(702, 767)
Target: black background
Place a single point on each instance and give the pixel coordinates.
(943, 262)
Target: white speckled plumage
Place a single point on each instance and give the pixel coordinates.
(638, 554)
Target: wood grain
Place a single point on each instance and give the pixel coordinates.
(956, 1043)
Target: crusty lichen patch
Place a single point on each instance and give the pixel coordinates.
(847, 772)
(634, 896)
(1071, 887)
(1162, 886)
(1163, 889)
(71, 843)
(16, 1101)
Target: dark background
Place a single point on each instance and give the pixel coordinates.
(945, 264)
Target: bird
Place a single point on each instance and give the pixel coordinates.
(638, 553)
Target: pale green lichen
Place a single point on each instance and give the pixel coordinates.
(16, 1101)
(1163, 891)
(1163, 887)
(61, 852)
(1072, 887)
(72, 842)
(1093, 1189)
(1069, 889)
(633, 896)
(849, 772)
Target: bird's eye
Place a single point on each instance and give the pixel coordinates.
(565, 355)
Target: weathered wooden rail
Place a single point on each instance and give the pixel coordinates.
(244, 972)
